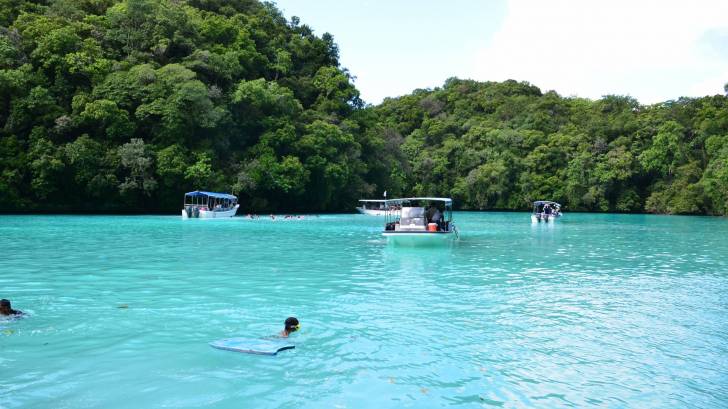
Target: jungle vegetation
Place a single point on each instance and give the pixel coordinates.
(111, 106)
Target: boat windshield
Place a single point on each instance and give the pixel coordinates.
(413, 216)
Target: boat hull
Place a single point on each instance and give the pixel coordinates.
(541, 219)
(213, 214)
(414, 239)
(371, 212)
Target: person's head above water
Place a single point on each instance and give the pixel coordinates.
(6, 309)
(291, 325)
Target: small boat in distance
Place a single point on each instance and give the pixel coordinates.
(419, 221)
(372, 207)
(545, 211)
(209, 205)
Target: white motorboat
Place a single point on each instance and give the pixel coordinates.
(419, 221)
(545, 211)
(209, 205)
(372, 207)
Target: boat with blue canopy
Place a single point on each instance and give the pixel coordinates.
(419, 220)
(209, 205)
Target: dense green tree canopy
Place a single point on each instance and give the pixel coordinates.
(109, 105)
(124, 105)
(502, 145)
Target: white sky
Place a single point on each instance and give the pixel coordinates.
(652, 50)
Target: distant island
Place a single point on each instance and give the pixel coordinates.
(117, 106)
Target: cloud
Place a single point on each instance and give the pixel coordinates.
(652, 50)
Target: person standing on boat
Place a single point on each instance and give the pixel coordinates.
(6, 309)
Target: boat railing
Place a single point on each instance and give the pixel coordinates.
(409, 215)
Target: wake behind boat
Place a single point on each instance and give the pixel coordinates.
(209, 205)
(419, 220)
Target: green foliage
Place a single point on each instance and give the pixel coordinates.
(199, 173)
(137, 161)
(502, 145)
(46, 165)
(118, 105)
(124, 105)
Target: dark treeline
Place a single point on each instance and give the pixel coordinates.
(110, 105)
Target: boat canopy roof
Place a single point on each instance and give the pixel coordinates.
(373, 200)
(543, 202)
(446, 200)
(198, 193)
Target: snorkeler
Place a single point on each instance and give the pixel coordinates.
(291, 325)
(6, 309)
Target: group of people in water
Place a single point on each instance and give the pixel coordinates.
(273, 217)
(290, 326)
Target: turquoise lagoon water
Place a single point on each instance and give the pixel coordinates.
(596, 310)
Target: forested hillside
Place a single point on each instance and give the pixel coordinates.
(501, 145)
(124, 105)
(110, 105)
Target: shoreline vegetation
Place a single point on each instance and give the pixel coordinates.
(119, 107)
(280, 215)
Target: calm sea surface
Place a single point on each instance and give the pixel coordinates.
(596, 310)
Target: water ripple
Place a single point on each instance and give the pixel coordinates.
(596, 310)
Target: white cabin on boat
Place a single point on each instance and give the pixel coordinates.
(372, 207)
(209, 205)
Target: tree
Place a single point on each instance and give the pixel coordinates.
(667, 151)
(200, 172)
(137, 160)
(46, 165)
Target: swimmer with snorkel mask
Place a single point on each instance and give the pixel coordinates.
(291, 325)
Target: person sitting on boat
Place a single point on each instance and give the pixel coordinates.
(291, 325)
(6, 309)
(437, 216)
(547, 209)
(434, 215)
